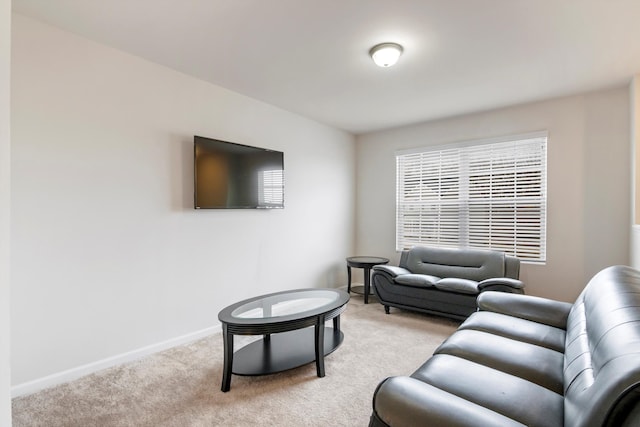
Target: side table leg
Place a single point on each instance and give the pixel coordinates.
(319, 335)
(367, 284)
(348, 279)
(228, 358)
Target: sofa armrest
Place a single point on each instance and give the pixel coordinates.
(405, 401)
(391, 270)
(541, 310)
(502, 284)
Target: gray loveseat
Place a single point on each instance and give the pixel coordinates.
(446, 282)
(523, 360)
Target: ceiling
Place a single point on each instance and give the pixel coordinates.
(310, 57)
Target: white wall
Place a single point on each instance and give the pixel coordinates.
(5, 198)
(108, 253)
(588, 182)
(634, 128)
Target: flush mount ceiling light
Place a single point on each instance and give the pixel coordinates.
(386, 54)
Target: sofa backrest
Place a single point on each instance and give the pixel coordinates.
(472, 264)
(602, 353)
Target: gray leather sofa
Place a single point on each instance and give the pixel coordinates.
(445, 282)
(523, 360)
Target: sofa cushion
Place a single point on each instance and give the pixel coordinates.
(494, 390)
(453, 284)
(533, 363)
(441, 408)
(527, 307)
(418, 280)
(515, 328)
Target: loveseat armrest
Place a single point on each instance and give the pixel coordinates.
(391, 270)
(542, 310)
(511, 266)
(502, 284)
(405, 401)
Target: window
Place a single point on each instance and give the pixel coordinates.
(482, 195)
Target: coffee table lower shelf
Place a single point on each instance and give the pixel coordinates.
(282, 351)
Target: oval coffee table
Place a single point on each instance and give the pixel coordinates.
(289, 315)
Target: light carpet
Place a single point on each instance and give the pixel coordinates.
(181, 386)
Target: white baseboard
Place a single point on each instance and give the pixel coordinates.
(81, 371)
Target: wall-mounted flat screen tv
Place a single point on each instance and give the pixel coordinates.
(235, 176)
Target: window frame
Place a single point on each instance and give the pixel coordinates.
(525, 206)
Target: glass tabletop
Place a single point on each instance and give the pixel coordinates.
(296, 303)
(284, 304)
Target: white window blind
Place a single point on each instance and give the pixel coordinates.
(485, 196)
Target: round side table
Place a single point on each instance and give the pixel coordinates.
(367, 263)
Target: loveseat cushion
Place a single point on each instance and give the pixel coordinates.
(417, 280)
(473, 264)
(453, 284)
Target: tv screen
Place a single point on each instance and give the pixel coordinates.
(235, 176)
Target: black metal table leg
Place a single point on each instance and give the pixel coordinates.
(367, 284)
(228, 358)
(319, 335)
(348, 278)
